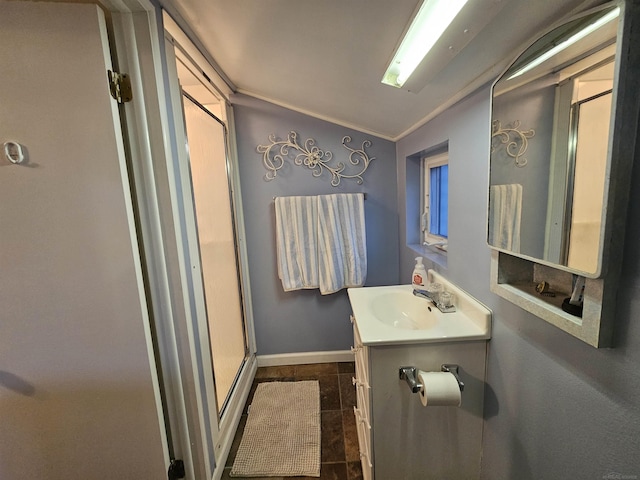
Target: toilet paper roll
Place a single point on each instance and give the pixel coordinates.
(439, 389)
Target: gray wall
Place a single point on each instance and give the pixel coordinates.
(555, 408)
(304, 321)
(466, 128)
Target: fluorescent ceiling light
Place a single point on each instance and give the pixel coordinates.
(568, 42)
(432, 19)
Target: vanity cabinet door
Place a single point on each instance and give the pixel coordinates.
(363, 401)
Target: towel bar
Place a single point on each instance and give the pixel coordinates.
(364, 194)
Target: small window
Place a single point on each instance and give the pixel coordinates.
(435, 200)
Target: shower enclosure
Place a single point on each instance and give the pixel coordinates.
(219, 354)
(206, 135)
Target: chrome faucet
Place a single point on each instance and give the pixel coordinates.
(427, 296)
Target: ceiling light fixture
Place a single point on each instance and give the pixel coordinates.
(592, 27)
(428, 25)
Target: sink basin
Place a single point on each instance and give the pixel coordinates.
(393, 315)
(401, 309)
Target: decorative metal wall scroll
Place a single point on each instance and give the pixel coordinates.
(516, 141)
(317, 160)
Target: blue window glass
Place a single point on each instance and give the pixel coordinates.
(439, 200)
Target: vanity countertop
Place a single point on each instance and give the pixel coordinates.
(393, 315)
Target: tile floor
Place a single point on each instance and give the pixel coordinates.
(339, 451)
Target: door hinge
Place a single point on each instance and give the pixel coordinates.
(120, 86)
(176, 470)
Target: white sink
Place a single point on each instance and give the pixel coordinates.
(399, 308)
(393, 315)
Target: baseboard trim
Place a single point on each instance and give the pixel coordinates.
(302, 358)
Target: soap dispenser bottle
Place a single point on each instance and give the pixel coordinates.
(419, 276)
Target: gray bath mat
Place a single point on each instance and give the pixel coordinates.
(282, 434)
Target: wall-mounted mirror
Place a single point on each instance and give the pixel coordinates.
(550, 145)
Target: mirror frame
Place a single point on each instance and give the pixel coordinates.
(606, 218)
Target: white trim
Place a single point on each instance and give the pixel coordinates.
(429, 162)
(303, 358)
(138, 46)
(437, 159)
(135, 42)
(127, 46)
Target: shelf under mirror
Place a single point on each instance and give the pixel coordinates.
(516, 279)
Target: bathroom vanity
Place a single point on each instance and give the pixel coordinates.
(398, 436)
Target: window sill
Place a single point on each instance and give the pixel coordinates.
(433, 254)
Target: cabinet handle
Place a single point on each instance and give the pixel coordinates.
(365, 456)
(359, 383)
(361, 419)
(355, 349)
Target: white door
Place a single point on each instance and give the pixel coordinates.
(78, 386)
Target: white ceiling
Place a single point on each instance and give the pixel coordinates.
(327, 57)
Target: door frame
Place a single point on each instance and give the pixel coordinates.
(136, 46)
(166, 226)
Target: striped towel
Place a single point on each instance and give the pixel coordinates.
(296, 235)
(505, 210)
(321, 242)
(342, 247)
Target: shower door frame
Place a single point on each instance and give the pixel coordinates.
(212, 436)
(220, 407)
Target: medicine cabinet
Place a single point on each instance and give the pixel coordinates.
(560, 162)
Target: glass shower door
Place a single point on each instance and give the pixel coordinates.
(213, 203)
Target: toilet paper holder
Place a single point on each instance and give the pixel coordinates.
(410, 374)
